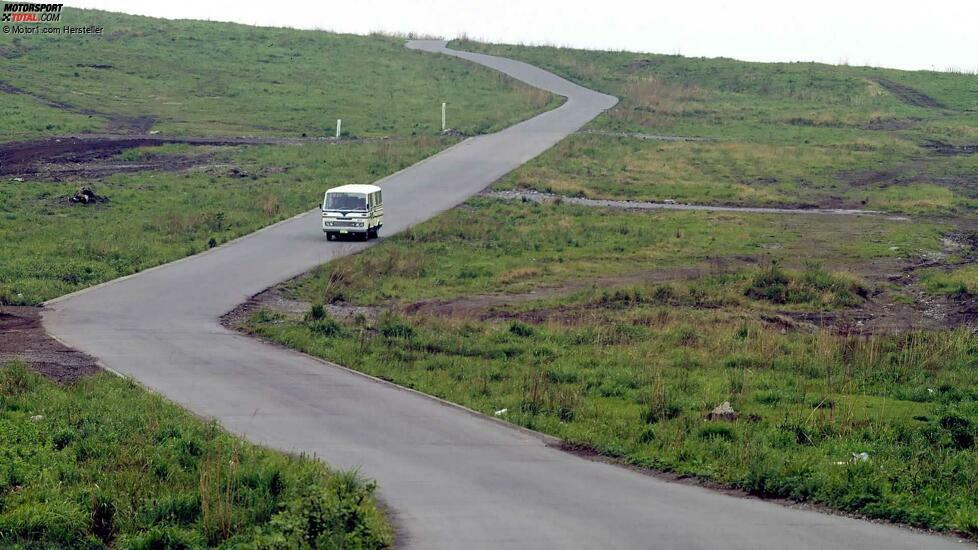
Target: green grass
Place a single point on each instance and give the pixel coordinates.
(637, 380)
(49, 248)
(104, 463)
(196, 77)
(26, 118)
(492, 246)
(631, 368)
(957, 281)
(786, 133)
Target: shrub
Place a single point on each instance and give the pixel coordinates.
(771, 285)
(316, 312)
(392, 326)
(960, 429)
(326, 326)
(521, 329)
(814, 284)
(336, 517)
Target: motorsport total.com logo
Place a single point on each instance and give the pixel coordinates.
(32, 18)
(31, 13)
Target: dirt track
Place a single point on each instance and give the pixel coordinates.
(909, 95)
(25, 158)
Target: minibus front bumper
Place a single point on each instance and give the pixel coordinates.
(344, 226)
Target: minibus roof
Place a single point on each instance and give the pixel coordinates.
(354, 188)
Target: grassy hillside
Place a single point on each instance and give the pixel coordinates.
(194, 77)
(104, 463)
(776, 133)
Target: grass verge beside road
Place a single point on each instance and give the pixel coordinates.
(621, 331)
(104, 463)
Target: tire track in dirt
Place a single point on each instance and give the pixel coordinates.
(909, 95)
(25, 157)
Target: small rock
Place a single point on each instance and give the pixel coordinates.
(37, 418)
(723, 411)
(860, 457)
(85, 195)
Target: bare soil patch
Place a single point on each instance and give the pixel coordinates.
(891, 124)
(944, 148)
(23, 338)
(86, 156)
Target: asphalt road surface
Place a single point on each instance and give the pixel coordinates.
(454, 479)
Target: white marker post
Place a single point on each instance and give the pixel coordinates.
(442, 116)
(339, 126)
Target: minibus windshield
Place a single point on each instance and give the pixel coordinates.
(345, 201)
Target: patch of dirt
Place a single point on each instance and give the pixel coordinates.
(69, 170)
(891, 124)
(84, 155)
(129, 124)
(881, 178)
(944, 148)
(639, 64)
(899, 303)
(22, 337)
(909, 95)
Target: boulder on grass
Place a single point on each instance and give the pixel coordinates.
(723, 411)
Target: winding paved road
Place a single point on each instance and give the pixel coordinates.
(453, 478)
